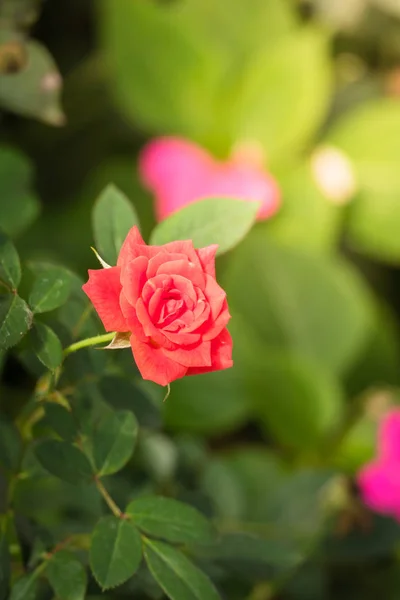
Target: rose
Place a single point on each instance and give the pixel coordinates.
(179, 172)
(166, 304)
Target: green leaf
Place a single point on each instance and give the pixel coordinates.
(61, 420)
(112, 217)
(51, 287)
(171, 520)
(311, 305)
(10, 268)
(176, 575)
(34, 90)
(114, 441)
(115, 551)
(10, 445)
(25, 588)
(369, 135)
(66, 576)
(64, 460)
(212, 221)
(46, 345)
(5, 567)
(304, 403)
(284, 94)
(18, 205)
(15, 320)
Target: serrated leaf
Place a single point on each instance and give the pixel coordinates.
(5, 567)
(170, 520)
(34, 91)
(212, 221)
(15, 320)
(51, 287)
(65, 461)
(10, 268)
(115, 551)
(114, 441)
(66, 576)
(61, 420)
(46, 345)
(25, 588)
(10, 445)
(18, 205)
(176, 575)
(112, 217)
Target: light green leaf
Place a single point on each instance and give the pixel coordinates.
(114, 441)
(10, 445)
(369, 135)
(112, 217)
(67, 576)
(18, 205)
(64, 460)
(295, 400)
(169, 519)
(46, 345)
(10, 268)
(5, 567)
(176, 575)
(61, 420)
(311, 305)
(25, 588)
(115, 551)
(34, 90)
(51, 287)
(15, 320)
(212, 221)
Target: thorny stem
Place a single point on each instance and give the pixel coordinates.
(110, 502)
(92, 341)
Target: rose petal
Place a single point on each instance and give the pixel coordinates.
(133, 278)
(159, 259)
(221, 355)
(207, 258)
(154, 365)
(149, 328)
(389, 436)
(182, 339)
(197, 356)
(380, 486)
(129, 312)
(133, 247)
(219, 324)
(103, 289)
(185, 269)
(215, 296)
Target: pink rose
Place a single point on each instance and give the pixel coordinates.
(379, 480)
(179, 172)
(168, 303)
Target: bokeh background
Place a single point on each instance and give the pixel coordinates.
(270, 448)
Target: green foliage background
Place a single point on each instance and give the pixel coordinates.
(241, 485)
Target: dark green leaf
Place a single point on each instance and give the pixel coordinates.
(61, 420)
(114, 441)
(46, 345)
(5, 567)
(115, 551)
(212, 221)
(171, 520)
(35, 89)
(113, 216)
(10, 268)
(10, 446)
(67, 576)
(176, 575)
(64, 460)
(18, 205)
(15, 320)
(122, 394)
(25, 588)
(51, 287)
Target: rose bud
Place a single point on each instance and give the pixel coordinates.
(165, 303)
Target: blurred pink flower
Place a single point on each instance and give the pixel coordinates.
(379, 480)
(179, 172)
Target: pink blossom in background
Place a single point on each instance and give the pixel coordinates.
(379, 480)
(179, 172)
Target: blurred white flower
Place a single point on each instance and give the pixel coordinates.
(334, 174)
